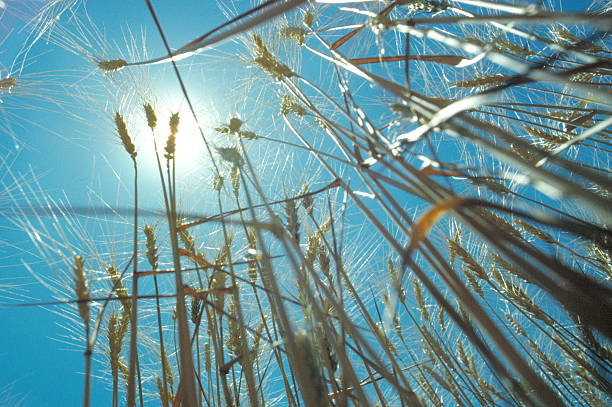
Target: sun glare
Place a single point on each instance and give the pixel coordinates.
(190, 150)
(190, 147)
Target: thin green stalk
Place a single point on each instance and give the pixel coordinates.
(131, 395)
(88, 352)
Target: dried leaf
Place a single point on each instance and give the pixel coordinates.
(420, 228)
(442, 59)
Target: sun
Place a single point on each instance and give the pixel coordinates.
(190, 148)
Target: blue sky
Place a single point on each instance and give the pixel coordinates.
(78, 159)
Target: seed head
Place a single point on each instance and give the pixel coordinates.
(112, 65)
(196, 305)
(171, 142)
(297, 34)
(8, 83)
(234, 339)
(166, 366)
(235, 175)
(151, 244)
(81, 289)
(308, 19)
(114, 342)
(120, 290)
(293, 224)
(218, 182)
(231, 155)
(234, 124)
(151, 118)
(174, 122)
(186, 237)
(290, 105)
(268, 62)
(207, 357)
(483, 81)
(124, 136)
(233, 128)
(252, 255)
(249, 135)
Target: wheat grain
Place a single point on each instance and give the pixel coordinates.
(8, 83)
(418, 295)
(515, 48)
(268, 62)
(297, 34)
(564, 35)
(151, 117)
(112, 65)
(293, 224)
(231, 155)
(483, 82)
(124, 136)
(80, 288)
(290, 106)
(538, 233)
(170, 147)
(151, 245)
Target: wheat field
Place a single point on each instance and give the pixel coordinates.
(306, 203)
